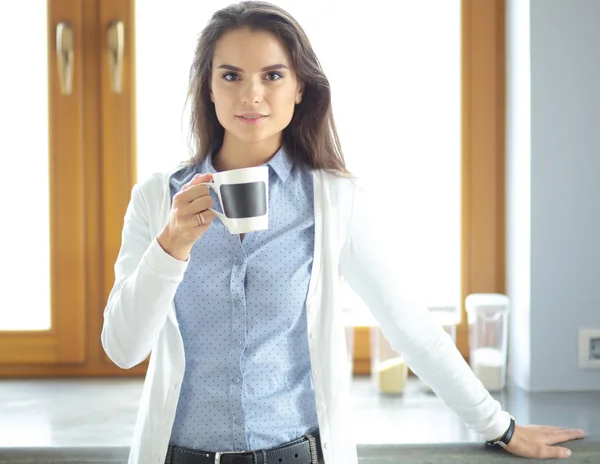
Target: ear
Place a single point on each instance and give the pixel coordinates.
(210, 91)
(300, 93)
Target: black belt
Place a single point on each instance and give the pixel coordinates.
(304, 450)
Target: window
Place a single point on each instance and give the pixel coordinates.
(24, 108)
(395, 82)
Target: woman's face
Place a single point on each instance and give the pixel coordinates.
(253, 86)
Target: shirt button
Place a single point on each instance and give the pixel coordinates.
(238, 421)
(317, 371)
(239, 261)
(239, 342)
(321, 408)
(311, 336)
(325, 445)
(236, 380)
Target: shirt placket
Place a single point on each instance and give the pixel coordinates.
(238, 331)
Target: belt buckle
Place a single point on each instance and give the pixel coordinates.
(219, 454)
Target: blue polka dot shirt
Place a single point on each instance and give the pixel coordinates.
(241, 312)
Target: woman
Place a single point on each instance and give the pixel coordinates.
(245, 333)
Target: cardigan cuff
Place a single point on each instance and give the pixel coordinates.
(163, 264)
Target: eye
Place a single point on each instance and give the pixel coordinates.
(274, 76)
(230, 76)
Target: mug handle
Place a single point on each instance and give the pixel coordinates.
(221, 216)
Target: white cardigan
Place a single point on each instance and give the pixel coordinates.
(140, 319)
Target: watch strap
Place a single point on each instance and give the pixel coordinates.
(504, 440)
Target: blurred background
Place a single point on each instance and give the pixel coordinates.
(396, 84)
(479, 118)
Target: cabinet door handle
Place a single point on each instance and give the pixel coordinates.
(116, 41)
(65, 55)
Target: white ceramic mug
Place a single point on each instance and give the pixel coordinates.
(244, 197)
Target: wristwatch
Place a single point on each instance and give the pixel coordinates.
(504, 439)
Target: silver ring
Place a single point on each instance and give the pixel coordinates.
(200, 219)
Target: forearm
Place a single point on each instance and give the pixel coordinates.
(138, 306)
(371, 268)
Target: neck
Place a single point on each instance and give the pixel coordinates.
(237, 154)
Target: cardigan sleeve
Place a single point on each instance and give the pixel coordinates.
(370, 267)
(146, 279)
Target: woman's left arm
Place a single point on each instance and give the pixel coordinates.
(369, 265)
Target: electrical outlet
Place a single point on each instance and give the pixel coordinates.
(595, 348)
(589, 348)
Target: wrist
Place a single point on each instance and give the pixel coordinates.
(505, 438)
(169, 246)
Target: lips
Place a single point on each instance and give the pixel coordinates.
(252, 119)
(251, 115)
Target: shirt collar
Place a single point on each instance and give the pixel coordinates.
(281, 163)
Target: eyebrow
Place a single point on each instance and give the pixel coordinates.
(266, 68)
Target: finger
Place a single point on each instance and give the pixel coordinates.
(202, 219)
(203, 175)
(548, 452)
(197, 205)
(207, 177)
(551, 428)
(561, 436)
(192, 192)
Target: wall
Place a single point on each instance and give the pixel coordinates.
(553, 189)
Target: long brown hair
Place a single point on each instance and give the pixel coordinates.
(311, 138)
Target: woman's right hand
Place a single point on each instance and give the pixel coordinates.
(183, 229)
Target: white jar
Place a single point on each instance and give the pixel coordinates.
(488, 335)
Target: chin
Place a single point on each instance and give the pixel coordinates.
(254, 136)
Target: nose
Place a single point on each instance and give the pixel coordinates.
(252, 91)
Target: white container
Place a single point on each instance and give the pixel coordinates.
(449, 318)
(388, 369)
(488, 335)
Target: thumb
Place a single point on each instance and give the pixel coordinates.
(556, 452)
